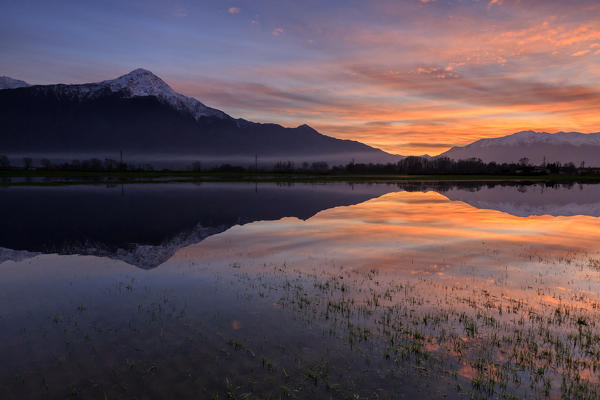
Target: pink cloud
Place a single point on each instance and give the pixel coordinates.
(580, 53)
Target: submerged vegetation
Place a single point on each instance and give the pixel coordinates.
(284, 332)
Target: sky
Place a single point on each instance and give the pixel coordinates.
(409, 77)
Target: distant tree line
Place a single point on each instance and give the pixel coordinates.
(430, 166)
(407, 166)
(415, 166)
(92, 164)
(446, 166)
(435, 166)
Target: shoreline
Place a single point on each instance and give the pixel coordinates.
(57, 177)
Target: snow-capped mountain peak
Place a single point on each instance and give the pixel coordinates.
(141, 82)
(10, 83)
(137, 83)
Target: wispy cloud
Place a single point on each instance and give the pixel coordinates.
(180, 12)
(277, 31)
(234, 10)
(581, 53)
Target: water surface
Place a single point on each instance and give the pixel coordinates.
(301, 291)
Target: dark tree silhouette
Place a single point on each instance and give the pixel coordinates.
(4, 162)
(45, 163)
(27, 162)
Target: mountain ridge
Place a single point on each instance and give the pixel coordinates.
(139, 104)
(142, 115)
(7, 82)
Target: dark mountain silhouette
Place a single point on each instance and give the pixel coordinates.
(140, 114)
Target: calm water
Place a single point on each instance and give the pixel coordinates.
(304, 291)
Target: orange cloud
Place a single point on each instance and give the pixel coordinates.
(425, 87)
(580, 53)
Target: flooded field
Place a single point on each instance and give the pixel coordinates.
(245, 291)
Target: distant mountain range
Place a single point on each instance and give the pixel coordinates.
(139, 114)
(536, 147)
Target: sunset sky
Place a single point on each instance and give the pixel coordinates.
(410, 77)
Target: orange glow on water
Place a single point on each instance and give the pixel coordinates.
(410, 232)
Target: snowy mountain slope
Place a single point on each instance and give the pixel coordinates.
(537, 147)
(140, 83)
(10, 83)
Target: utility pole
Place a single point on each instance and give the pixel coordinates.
(255, 162)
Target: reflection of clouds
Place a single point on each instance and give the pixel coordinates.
(412, 234)
(236, 325)
(440, 259)
(410, 218)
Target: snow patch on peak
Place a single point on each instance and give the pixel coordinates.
(10, 83)
(140, 82)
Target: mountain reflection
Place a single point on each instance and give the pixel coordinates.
(144, 225)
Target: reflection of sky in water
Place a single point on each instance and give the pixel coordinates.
(412, 234)
(403, 231)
